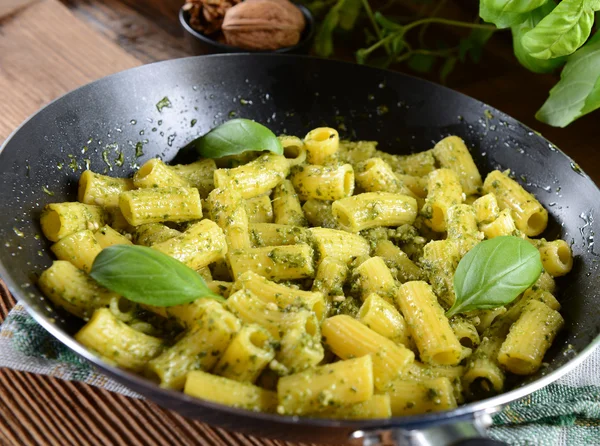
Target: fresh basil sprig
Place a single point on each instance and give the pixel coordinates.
(494, 273)
(147, 276)
(234, 137)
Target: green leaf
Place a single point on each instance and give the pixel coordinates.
(343, 14)
(422, 63)
(502, 19)
(473, 44)
(577, 91)
(349, 13)
(533, 63)
(561, 32)
(147, 276)
(494, 273)
(234, 137)
(447, 68)
(515, 5)
(387, 24)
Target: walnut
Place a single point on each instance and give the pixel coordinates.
(207, 16)
(263, 24)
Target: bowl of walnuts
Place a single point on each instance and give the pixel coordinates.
(233, 26)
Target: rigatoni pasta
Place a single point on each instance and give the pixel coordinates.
(336, 262)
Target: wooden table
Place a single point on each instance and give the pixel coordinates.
(47, 48)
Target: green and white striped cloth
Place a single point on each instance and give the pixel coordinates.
(566, 412)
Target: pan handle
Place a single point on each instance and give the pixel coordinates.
(462, 432)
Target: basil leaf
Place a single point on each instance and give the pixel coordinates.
(147, 276)
(515, 5)
(236, 136)
(577, 92)
(533, 63)
(473, 44)
(494, 273)
(502, 19)
(562, 31)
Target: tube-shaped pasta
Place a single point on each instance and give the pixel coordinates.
(321, 145)
(483, 375)
(199, 174)
(107, 236)
(348, 338)
(557, 257)
(417, 185)
(300, 349)
(383, 318)
(117, 342)
(61, 219)
(373, 276)
(247, 355)
(486, 208)
(252, 310)
(540, 295)
(200, 245)
(79, 248)
(502, 225)
(155, 173)
(323, 182)
(229, 392)
(417, 164)
(186, 314)
(340, 245)
(443, 191)
(151, 233)
(283, 296)
(377, 407)
(353, 152)
(326, 387)
(465, 331)
(331, 276)
(155, 205)
(462, 223)
(416, 397)
(452, 153)
(293, 149)
(274, 262)
(318, 213)
(530, 216)
(272, 234)
(101, 190)
(529, 338)
(255, 178)
(287, 209)
(375, 175)
(400, 265)
(439, 261)
(259, 209)
(373, 209)
(430, 329)
(226, 210)
(482, 319)
(70, 288)
(199, 349)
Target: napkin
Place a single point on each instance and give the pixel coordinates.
(567, 412)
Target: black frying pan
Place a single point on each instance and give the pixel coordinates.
(95, 123)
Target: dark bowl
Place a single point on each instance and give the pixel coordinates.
(201, 44)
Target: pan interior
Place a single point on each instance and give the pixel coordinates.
(116, 124)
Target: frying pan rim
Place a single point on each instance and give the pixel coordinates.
(122, 376)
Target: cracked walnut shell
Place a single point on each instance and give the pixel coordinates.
(263, 24)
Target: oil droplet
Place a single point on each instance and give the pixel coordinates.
(382, 110)
(18, 232)
(371, 97)
(139, 150)
(193, 122)
(133, 122)
(245, 101)
(170, 139)
(576, 168)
